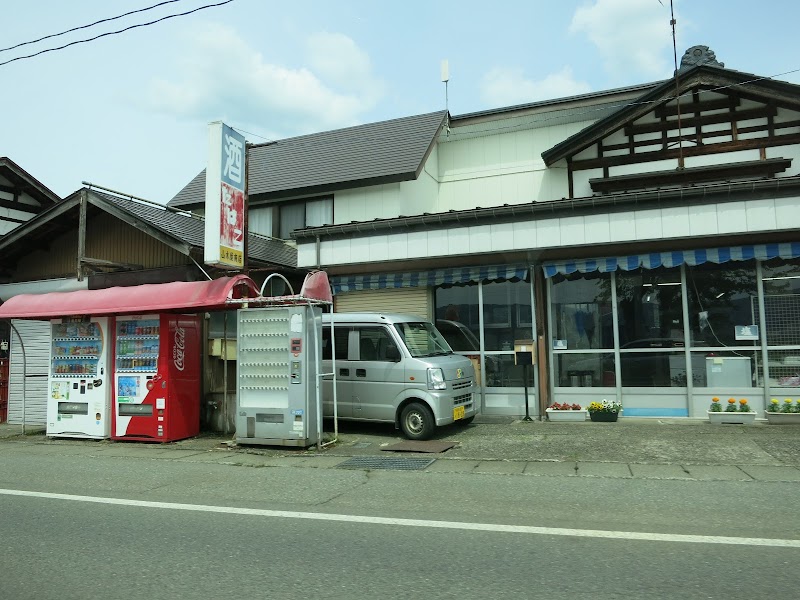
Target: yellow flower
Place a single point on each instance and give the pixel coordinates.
(774, 401)
(742, 401)
(715, 399)
(787, 401)
(731, 401)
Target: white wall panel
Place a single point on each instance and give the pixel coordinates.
(572, 231)
(675, 221)
(648, 224)
(703, 220)
(437, 243)
(398, 245)
(503, 237)
(761, 215)
(306, 255)
(418, 244)
(378, 248)
(623, 227)
(787, 214)
(457, 240)
(548, 233)
(480, 239)
(733, 218)
(525, 234)
(598, 229)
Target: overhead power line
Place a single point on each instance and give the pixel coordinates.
(97, 37)
(52, 35)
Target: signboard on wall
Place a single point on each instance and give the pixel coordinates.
(225, 198)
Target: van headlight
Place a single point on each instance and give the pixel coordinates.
(436, 379)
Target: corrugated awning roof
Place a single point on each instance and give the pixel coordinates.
(177, 296)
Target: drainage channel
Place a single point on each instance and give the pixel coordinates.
(390, 463)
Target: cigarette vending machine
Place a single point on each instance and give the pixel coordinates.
(156, 378)
(278, 358)
(80, 390)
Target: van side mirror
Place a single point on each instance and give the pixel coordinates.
(392, 353)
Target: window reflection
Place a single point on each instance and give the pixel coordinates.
(653, 369)
(502, 372)
(585, 370)
(720, 297)
(782, 302)
(582, 314)
(506, 314)
(650, 308)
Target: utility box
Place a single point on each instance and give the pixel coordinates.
(278, 396)
(523, 352)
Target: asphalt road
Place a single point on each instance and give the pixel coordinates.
(212, 529)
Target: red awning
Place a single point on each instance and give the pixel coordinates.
(176, 296)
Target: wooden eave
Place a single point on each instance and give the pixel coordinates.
(705, 77)
(691, 176)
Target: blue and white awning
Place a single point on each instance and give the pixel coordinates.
(675, 258)
(385, 281)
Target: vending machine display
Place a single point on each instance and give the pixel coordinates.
(80, 397)
(278, 358)
(156, 378)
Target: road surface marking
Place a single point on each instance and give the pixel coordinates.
(285, 514)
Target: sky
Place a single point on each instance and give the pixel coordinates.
(130, 111)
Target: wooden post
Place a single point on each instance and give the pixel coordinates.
(543, 361)
(82, 232)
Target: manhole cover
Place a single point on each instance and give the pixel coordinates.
(392, 463)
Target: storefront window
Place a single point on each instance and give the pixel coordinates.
(720, 298)
(458, 317)
(650, 308)
(782, 302)
(502, 372)
(507, 314)
(653, 369)
(582, 313)
(725, 369)
(585, 370)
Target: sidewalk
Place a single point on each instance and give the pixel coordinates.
(631, 448)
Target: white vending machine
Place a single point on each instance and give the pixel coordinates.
(80, 379)
(278, 394)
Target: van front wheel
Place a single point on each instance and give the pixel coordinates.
(416, 421)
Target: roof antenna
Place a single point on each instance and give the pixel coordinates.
(445, 79)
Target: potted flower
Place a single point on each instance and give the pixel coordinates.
(739, 413)
(565, 412)
(783, 413)
(607, 410)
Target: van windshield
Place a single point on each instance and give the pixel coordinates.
(422, 339)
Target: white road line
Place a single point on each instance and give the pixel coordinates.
(284, 514)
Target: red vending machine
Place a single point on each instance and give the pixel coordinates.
(156, 378)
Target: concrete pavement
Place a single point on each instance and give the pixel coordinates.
(631, 448)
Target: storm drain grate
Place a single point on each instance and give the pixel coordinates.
(392, 463)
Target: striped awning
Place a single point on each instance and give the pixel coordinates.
(675, 258)
(384, 281)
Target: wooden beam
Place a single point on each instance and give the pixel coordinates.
(705, 149)
(26, 208)
(99, 262)
(82, 234)
(743, 115)
(671, 110)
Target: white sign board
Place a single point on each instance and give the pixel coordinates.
(225, 198)
(746, 332)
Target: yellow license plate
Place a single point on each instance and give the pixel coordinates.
(458, 413)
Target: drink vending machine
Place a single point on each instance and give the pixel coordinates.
(80, 390)
(156, 378)
(277, 390)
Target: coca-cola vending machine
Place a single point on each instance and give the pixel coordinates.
(156, 378)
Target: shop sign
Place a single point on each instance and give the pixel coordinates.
(225, 204)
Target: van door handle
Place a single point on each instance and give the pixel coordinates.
(361, 372)
(344, 372)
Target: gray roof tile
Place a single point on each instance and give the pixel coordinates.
(383, 152)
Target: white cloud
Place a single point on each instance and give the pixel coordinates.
(633, 37)
(507, 86)
(222, 77)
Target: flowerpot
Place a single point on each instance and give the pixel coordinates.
(603, 417)
(778, 418)
(731, 418)
(566, 415)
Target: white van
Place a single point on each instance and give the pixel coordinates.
(397, 369)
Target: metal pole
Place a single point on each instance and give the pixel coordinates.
(525, 385)
(24, 371)
(225, 371)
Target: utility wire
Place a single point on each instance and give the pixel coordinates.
(97, 37)
(89, 25)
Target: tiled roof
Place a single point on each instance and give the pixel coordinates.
(383, 152)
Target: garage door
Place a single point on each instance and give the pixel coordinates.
(411, 301)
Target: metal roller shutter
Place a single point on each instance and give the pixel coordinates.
(412, 301)
(36, 368)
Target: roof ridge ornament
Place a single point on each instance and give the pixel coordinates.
(699, 55)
